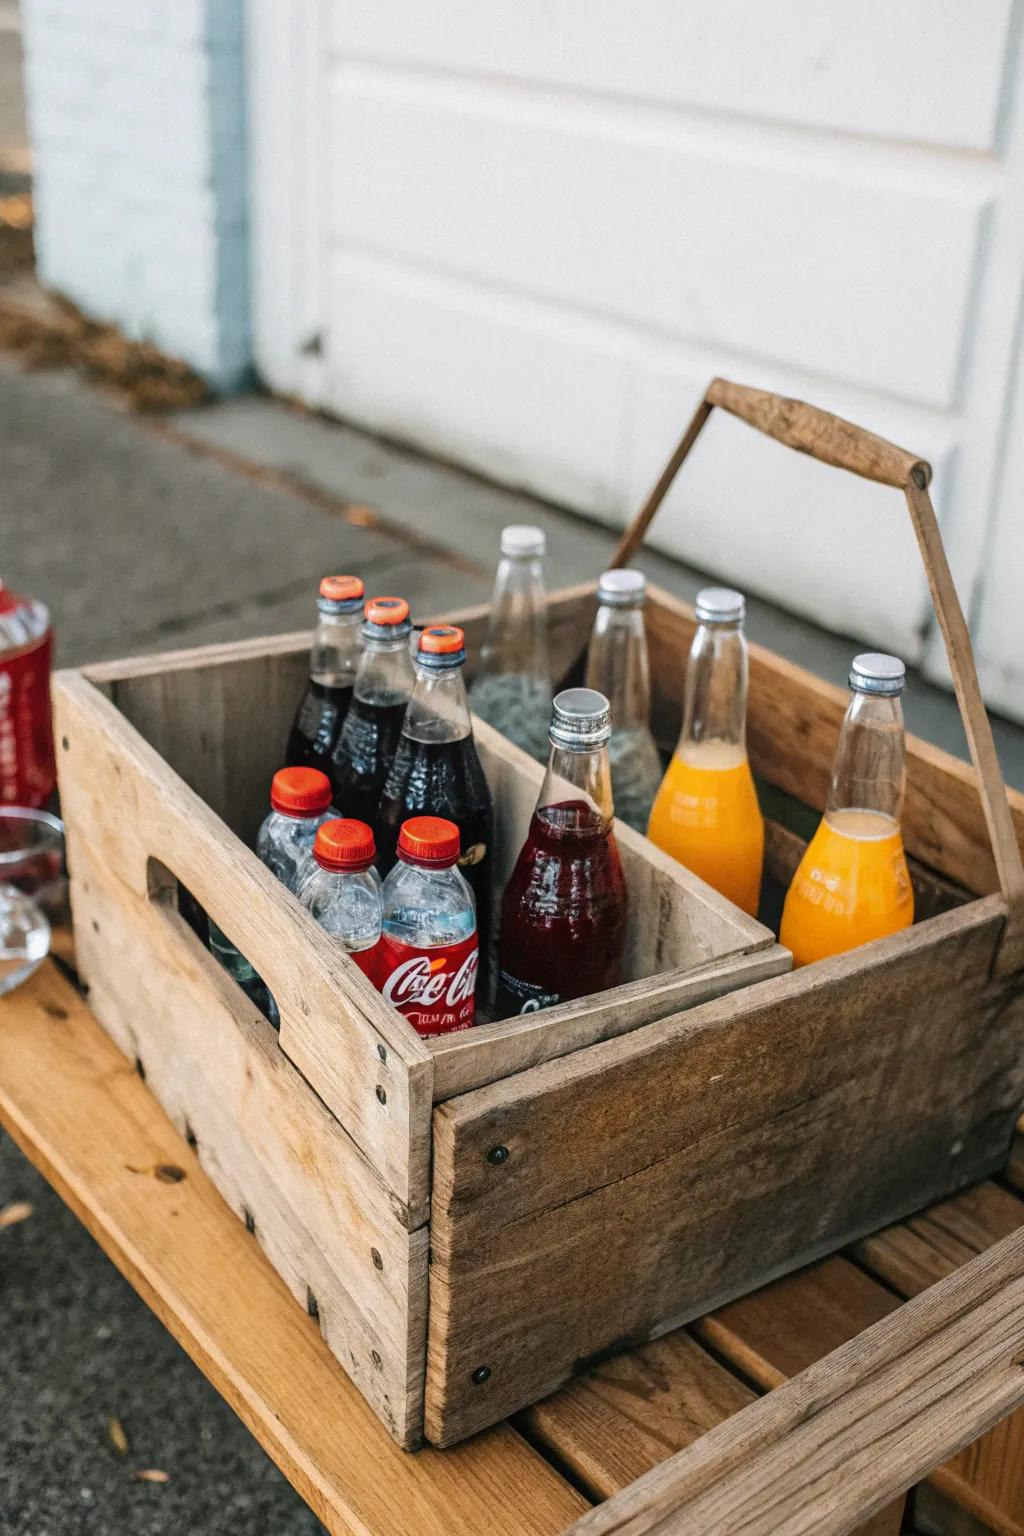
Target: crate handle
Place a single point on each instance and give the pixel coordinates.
(831, 440)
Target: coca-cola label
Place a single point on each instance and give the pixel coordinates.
(27, 770)
(519, 996)
(433, 987)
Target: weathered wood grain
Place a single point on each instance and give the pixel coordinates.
(132, 809)
(80, 1113)
(836, 1443)
(697, 1157)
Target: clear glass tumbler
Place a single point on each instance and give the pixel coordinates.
(33, 890)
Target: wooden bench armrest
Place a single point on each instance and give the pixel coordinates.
(834, 1445)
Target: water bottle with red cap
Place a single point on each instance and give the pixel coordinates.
(28, 773)
(342, 889)
(333, 662)
(427, 958)
(300, 801)
(369, 736)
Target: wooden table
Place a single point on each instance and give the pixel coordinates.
(77, 1109)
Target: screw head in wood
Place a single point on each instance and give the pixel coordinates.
(498, 1155)
(481, 1374)
(382, 1052)
(381, 1095)
(378, 1262)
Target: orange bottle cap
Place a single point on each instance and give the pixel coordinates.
(344, 845)
(386, 610)
(442, 640)
(342, 589)
(300, 791)
(429, 840)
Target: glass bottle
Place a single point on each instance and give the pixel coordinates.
(333, 661)
(369, 736)
(706, 813)
(512, 687)
(852, 884)
(436, 770)
(563, 918)
(619, 667)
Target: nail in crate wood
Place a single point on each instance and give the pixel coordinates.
(318, 1137)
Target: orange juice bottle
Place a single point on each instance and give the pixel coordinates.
(705, 813)
(852, 883)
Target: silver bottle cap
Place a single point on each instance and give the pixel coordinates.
(622, 589)
(877, 673)
(720, 605)
(580, 720)
(522, 539)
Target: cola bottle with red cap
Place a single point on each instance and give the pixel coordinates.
(437, 771)
(28, 773)
(342, 889)
(369, 736)
(427, 958)
(332, 673)
(300, 800)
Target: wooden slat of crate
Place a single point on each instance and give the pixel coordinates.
(80, 1113)
(987, 1478)
(793, 721)
(621, 1418)
(625, 1160)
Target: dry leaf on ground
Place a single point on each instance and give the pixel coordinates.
(21, 1210)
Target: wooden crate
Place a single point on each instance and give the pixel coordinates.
(592, 1175)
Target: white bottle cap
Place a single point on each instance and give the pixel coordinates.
(874, 672)
(580, 719)
(720, 605)
(622, 589)
(522, 539)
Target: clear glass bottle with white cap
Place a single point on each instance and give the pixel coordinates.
(852, 884)
(619, 667)
(706, 813)
(563, 918)
(512, 687)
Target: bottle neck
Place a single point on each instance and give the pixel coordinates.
(576, 795)
(438, 709)
(618, 665)
(517, 636)
(334, 658)
(385, 674)
(715, 710)
(869, 772)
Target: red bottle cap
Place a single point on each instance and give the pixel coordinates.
(386, 610)
(344, 845)
(442, 640)
(429, 840)
(342, 589)
(300, 791)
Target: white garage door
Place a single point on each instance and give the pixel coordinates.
(525, 237)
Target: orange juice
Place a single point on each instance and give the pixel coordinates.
(851, 886)
(706, 815)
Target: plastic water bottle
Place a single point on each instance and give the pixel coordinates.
(427, 959)
(300, 800)
(342, 889)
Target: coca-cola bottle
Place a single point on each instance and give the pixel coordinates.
(437, 771)
(342, 889)
(28, 773)
(427, 958)
(300, 800)
(563, 918)
(369, 736)
(332, 673)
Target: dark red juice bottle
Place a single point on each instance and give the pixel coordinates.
(437, 771)
(563, 917)
(333, 662)
(369, 736)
